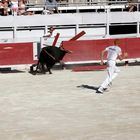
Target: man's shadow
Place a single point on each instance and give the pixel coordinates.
(88, 87)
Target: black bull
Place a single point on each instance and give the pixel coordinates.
(48, 57)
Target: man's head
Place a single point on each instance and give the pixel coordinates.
(116, 42)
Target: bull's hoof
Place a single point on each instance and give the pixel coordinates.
(32, 72)
(50, 72)
(43, 72)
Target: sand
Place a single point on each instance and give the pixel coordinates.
(57, 107)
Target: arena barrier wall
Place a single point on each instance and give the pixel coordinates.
(82, 51)
(17, 53)
(89, 50)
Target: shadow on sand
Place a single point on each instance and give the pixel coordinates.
(5, 71)
(88, 87)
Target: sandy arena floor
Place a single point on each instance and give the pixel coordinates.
(56, 107)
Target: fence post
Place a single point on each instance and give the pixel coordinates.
(138, 29)
(107, 21)
(14, 32)
(76, 29)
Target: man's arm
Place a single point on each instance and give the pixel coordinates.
(123, 56)
(102, 57)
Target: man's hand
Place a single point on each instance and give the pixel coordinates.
(125, 55)
(102, 57)
(102, 62)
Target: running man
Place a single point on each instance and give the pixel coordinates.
(113, 52)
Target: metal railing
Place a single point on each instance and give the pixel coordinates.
(85, 6)
(88, 6)
(15, 27)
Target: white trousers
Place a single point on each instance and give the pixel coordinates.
(112, 72)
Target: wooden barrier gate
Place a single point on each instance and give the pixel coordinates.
(89, 50)
(83, 50)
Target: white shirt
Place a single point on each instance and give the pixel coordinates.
(113, 52)
(43, 40)
(14, 4)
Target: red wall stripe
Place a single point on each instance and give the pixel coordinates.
(86, 50)
(16, 53)
(83, 50)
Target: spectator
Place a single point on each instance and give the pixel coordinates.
(132, 5)
(1, 8)
(22, 7)
(14, 7)
(51, 5)
(4, 7)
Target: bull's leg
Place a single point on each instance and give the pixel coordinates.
(32, 71)
(42, 70)
(62, 64)
(31, 68)
(48, 69)
(37, 67)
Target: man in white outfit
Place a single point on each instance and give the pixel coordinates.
(43, 40)
(113, 52)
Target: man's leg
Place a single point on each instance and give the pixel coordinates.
(116, 72)
(108, 80)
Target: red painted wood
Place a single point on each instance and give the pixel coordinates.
(55, 39)
(133, 47)
(82, 50)
(16, 53)
(77, 36)
(89, 68)
(87, 50)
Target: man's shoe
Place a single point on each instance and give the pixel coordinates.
(99, 91)
(110, 84)
(104, 89)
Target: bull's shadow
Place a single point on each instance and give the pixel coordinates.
(88, 87)
(9, 70)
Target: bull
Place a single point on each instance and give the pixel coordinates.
(49, 56)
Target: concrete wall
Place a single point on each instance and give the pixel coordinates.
(66, 24)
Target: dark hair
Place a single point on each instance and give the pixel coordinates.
(116, 41)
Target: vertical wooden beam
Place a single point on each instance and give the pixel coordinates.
(55, 39)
